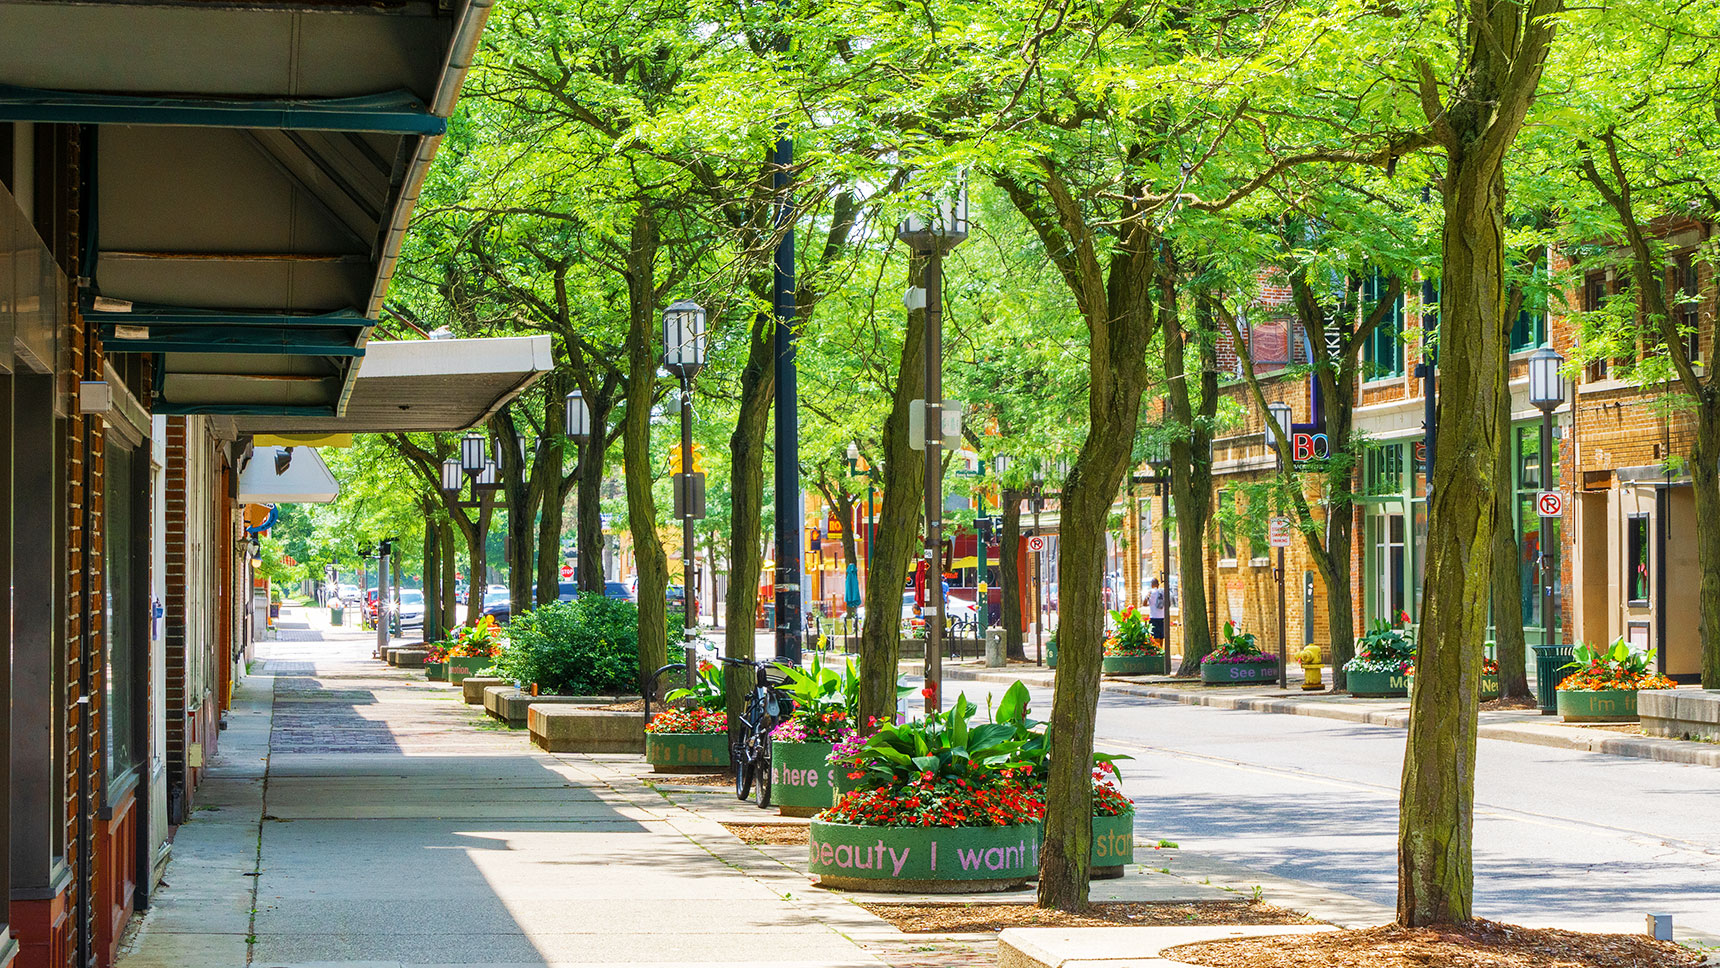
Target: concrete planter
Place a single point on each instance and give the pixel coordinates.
(687, 752)
(1680, 713)
(1597, 705)
(461, 666)
(923, 860)
(1377, 684)
(472, 688)
(510, 705)
(1113, 845)
(436, 671)
(1136, 665)
(1239, 673)
(802, 781)
(573, 729)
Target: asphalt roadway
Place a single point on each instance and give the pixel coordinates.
(1562, 837)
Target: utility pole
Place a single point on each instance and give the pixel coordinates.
(790, 510)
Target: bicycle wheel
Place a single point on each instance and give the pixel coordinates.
(743, 770)
(763, 778)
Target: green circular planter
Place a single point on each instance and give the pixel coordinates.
(1051, 655)
(1597, 705)
(1489, 687)
(436, 671)
(1113, 845)
(688, 752)
(1239, 673)
(923, 860)
(1136, 665)
(461, 666)
(801, 777)
(1377, 684)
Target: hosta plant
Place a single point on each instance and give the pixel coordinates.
(1132, 638)
(1385, 647)
(1615, 666)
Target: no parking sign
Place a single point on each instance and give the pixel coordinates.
(1550, 504)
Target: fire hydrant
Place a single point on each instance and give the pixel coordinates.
(1310, 659)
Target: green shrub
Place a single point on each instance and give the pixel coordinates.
(586, 647)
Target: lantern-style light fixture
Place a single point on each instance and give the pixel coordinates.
(472, 453)
(451, 475)
(1280, 414)
(684, 338)
(488, 479)
(576, 421)
(527, 448)
(1546, 383)
(940, 222)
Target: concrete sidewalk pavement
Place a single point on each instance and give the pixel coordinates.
(1517, 726)
(360, 816)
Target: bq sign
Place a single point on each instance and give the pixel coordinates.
(1306, 447)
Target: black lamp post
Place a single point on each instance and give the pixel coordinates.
(1280, 413)
(576, 425)
(940, 225)
(1547, 393)
(684, 355)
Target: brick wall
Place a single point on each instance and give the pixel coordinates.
(175, 608)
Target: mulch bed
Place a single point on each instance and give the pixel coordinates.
(1493, 705)
(694, 779)
(779, 834)
(1479, 944)
(630, 706)
(972, 918)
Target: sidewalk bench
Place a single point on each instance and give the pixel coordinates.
(408, 658)
(1680, 713)
(568, 728)
(509, 705)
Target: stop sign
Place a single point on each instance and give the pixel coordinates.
(567, 571)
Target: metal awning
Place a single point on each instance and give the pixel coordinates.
(425, 385)
(305, 480)
(255, 166)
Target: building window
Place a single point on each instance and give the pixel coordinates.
(1382, 474)
(1224, 528)
(1385, 540)
(1529, 329)
(1382, 354)
(1636, 559)
(1533, 531)
(1269, 342)
(1594, 297)
(1683, 304)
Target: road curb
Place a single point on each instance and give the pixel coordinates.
(1555, 737)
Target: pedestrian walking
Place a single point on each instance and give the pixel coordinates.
(1156, 610)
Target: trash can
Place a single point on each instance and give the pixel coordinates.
(336, 615)
(1550, 661)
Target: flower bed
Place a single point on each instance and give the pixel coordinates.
(471, 650)
(1238, 660)
(1136, 665)
(1604, 687)
(687, 739)
(1385, 657)
(922, 859)
(801, 777)
(1370, 684)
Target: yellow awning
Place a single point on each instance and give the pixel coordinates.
(302, 440)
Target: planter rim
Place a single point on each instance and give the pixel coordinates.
(821, 822)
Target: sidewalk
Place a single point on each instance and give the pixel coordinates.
(1516, 726)
(360, 816)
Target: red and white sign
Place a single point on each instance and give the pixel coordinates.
(1280, 532)
(567, 571)
(1036, 544)
(1550, 504)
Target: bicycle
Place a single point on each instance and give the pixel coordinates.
(768, 705)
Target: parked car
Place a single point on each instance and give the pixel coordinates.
(411, 608)
(347, 593)
(676, 597)
(618, 589)
(498, 604)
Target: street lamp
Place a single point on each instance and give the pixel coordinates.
(473, 465)
(576, 420)
(1280, 413)
(938, 225)
(684, 355)
(1547, 393)
(472, 453)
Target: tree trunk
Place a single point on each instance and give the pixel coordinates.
(477, 535)
(1509, 646)
(449, 571)
(1191, 488)
(1009, 576)
(549, 556)
(588, 512)
(746, 517)
(1705, 481)
(897, 532)
(433, 591)
(642, 356)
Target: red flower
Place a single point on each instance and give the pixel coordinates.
(929, 692)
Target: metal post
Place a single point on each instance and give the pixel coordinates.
(1547, 627)
(381, 601)
(1038, 589)
(934, 360)
(689, 624)
(1283, 628)
(789, 509)
(1165, 558)
(982, 588)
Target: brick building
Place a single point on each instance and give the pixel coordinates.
(200, 209)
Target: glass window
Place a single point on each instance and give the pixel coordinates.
(1269, 342)
(1636, 559)
(123, 668)
(1684, 303)
(1594, 297)
(1382, 354)
(1529, 329)
(1385, 540)
(1383, 471)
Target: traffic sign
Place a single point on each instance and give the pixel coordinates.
(1551, 504)
(1036, 543)
(1280, 532)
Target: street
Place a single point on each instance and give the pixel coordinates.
(1562, 836)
